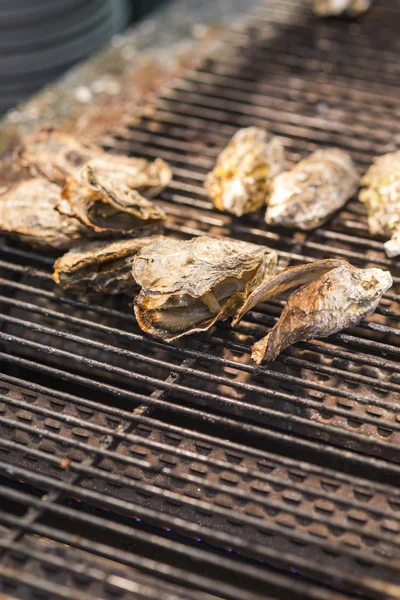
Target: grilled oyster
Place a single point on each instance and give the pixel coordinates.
(58, 155)
(338, 299)
(285, 280)
(108, 206)
(381, 194)
(100, 267)
(331, 8)
(28, 212)
(189, 285)
(241, 179)
(314, 189)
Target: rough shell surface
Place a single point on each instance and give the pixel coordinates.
(313, 190)
(187, 286)
(285, 280)
(58, 156)
(99, 267)
(108, 206)
(331, 8)
(28, 212)
(195, 266)
(338, 299)
(381, 195)
(241, 179)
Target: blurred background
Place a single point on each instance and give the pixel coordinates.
(41, 39)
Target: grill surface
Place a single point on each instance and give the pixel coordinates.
(135, 469)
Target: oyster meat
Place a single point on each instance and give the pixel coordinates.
(381, 195)
(313, 190)
(241, 179)
(58, 155)
(187, 286)
(109, 206)
(338, 299)
(28, 212)
(331, 8)
(100, 267)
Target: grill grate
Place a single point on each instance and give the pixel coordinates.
(135, 469)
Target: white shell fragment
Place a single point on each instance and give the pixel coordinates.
(241, 179)
(313, 190)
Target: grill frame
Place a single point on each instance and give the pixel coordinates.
(289, 485)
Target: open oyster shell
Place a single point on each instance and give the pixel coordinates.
(28, 212)
(100, 267)
(58, 156)
(189, 285)
(338, 299)
(241, 179)
(381, 195)
(331, 8)
(313, 190)
(108, 206)
(285, 280)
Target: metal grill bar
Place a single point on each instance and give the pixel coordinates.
(371, 584)
(294, 464)
(87, 576)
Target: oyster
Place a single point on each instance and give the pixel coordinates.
(313, 190)
(189, 285)
(108, 206)
(58, 155)
(330, 8)
(100, 267)
(241, 179)
(284, 281)
(338, 299)
(28, 212)
(381, 194)
(54, 154)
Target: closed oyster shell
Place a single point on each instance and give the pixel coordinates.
(381, 195)
(241, 179)
(28, 212)
(189, 285)
(331, 8)
(313, 190)
(108, 206)
(338, 299)
(100, 267)
(58, 156)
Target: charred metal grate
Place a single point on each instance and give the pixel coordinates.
(135, 469)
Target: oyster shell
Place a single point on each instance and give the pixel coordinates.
(241, 179)
(313, 190)
(58, 155)
(100, 267)
(28, 212)
(330, 8)
(381, 195)
(108, 206)
(189, 285)
(338, 299)
(284, 281)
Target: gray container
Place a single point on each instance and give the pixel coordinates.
(40, 39)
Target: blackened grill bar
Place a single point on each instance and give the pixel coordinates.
(130, 468)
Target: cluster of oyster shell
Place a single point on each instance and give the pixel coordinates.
(98, 206)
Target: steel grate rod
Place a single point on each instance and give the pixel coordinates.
(375, 588)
